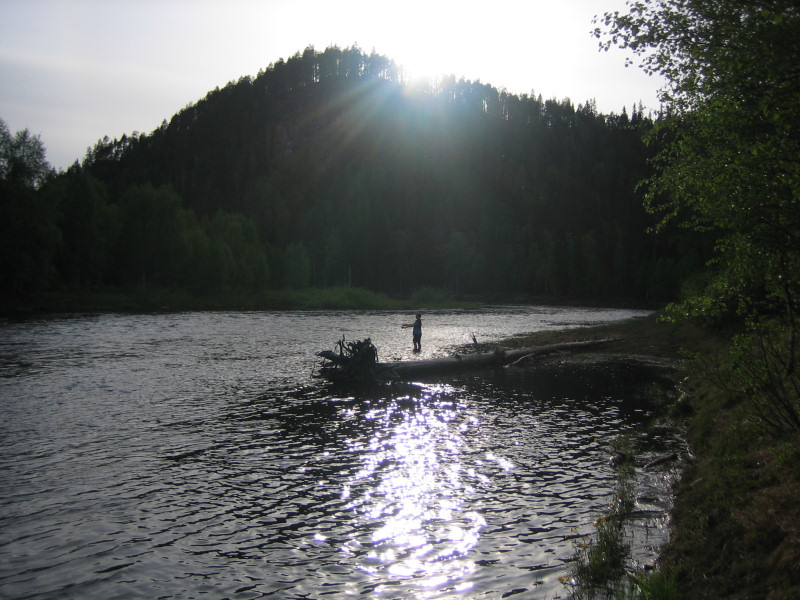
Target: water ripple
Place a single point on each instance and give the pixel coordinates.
(183, 456)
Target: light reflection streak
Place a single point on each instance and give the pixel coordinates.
(415, 494)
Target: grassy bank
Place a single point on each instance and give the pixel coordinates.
(736, 522)
(154, 298)
(737, 513)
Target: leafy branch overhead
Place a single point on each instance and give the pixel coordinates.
(728, 166)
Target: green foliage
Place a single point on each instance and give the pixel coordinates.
(297, 267)
(241, 254)
(732, 165)
(735, 511)
(457, 185)
(729, 166)
(29, 234)
(599, 565)
(655, 585)
(29, 242)
(150, 246)
(325, 170)
(22, 159)
(88, 226)
(332, 298)
(763, 373)
(430, 297)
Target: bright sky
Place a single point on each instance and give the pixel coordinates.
(73, 71)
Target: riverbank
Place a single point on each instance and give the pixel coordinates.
(149, 298)
(735, 529)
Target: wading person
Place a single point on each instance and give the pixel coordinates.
(416, 332)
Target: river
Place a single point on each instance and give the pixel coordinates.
(192, 455)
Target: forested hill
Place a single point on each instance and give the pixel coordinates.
(327, 169)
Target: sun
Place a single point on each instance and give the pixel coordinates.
(424, 39)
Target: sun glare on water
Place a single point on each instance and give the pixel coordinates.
(414, 497)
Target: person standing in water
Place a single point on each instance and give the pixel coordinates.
(416, 332)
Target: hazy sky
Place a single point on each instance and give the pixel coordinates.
(74, 71)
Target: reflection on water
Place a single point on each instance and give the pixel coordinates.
(413, 496)
(192, 455)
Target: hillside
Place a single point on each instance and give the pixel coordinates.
(326, 170)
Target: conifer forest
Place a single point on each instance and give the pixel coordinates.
(328, 169)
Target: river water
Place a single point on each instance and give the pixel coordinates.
(192, 455)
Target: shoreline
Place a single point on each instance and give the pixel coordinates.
(637, 336)
(735, 519)
(152, 298)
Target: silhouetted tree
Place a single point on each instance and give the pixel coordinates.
(324, 169)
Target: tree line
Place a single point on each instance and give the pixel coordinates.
(329, 169)
(731, 171)
(728, 169)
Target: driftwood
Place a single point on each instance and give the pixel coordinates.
(349, 366)
(482, 360)
(351, 362)
(661, 460)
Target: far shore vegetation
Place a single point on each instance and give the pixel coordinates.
(151, 298)
(163, 299)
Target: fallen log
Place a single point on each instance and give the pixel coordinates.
(352, 363)
(661, 460)
(461, 362)
(521, 355)
(336, 367)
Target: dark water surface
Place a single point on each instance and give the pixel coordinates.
(193, 456)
